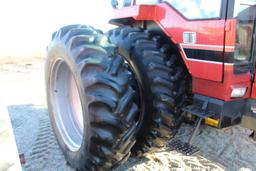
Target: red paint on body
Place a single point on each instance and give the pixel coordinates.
(214, 79)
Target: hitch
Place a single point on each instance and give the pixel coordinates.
(186, 147)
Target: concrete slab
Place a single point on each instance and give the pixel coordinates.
(9, 159)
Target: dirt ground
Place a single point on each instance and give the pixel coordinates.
(22, 89)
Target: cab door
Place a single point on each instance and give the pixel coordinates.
(199, 28)
(244, 56)
(253, 93)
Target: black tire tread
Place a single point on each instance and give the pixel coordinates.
(111, 118)
(165, 75)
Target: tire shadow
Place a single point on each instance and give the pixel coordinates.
(35, 138)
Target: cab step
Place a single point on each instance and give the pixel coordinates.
(183, 147)
(187, 148)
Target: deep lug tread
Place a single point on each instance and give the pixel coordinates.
(96, 160)
(107, 152)
(125, 158)
(65, 29)
(166, 116)
(82, 52)
(154, 134)
(125, 31)
(158, 65)
(134, 36)
(79, 31)
(163, 82)
(99, 98)
(103, 135)
(132, 113)
(165, 98)
(152, 56)
(128, 136)
(128, 146)
(109, 121)
(110, 125)
(81, 39)
(116, 65)
(117, 31)
(103, 79)
(124, 101)
(102, 73)
(145, 45)
(149, 143)
(54, 35)
(164, 49)
(154, 53)
(154, 66)
(157, 39)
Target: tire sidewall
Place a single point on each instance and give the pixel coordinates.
(57, 50)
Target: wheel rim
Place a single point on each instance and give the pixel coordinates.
(66, 104)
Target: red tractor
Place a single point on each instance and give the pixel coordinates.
(169, 61)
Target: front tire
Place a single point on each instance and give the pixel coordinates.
(90, 99)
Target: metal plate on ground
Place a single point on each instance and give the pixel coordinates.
(183, 147)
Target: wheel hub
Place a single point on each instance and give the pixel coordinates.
(66, 104)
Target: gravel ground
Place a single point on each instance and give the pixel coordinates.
(22, 88)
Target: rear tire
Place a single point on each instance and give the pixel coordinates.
(164, 85)
(106, 97)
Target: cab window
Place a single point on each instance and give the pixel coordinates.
(197, 9)
(245, 14)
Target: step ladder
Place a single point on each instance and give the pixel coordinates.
(187, 148)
